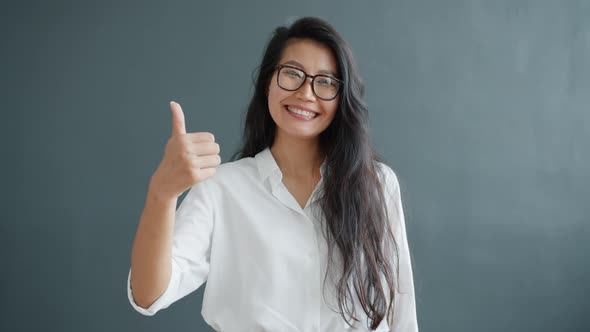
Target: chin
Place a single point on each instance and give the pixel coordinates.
(299, 134)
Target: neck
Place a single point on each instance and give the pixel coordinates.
(296, 157)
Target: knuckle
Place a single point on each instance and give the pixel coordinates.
(195, 174)
(185, 155)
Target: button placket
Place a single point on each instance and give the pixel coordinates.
(313, 255)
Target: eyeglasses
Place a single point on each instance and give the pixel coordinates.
(323, 86)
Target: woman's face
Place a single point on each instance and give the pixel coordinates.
(313, 58)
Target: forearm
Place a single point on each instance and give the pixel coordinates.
(151, 255)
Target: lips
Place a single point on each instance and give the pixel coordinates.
(301, 110)
(301, 114)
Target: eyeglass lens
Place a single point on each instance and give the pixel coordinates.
(292, 79)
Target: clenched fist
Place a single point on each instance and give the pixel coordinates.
(188, 158)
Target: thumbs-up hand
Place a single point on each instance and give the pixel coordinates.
(188, 159)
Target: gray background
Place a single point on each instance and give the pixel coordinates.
(481, 107)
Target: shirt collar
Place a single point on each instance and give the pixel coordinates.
(268, 167)
(266, 163)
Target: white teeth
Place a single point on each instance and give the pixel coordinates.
(302, 112)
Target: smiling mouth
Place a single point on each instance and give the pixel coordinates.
(301, 113)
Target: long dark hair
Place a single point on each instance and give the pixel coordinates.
(352, 197)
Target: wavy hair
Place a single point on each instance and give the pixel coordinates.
(352, 198)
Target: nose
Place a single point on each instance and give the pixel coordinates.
(306, 90)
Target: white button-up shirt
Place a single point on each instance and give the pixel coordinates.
(264, 257)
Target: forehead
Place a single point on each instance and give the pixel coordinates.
(311, 56)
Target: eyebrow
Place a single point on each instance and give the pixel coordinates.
(293, 62)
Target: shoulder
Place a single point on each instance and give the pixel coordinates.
(230, 177)
(237, 168)
(388, 177)
(232, 174)
(393, 202)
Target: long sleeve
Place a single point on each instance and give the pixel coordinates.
(405, 319)
(194, 221)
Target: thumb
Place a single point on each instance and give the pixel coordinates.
(178, 127)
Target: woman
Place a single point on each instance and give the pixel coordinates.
(304, 229)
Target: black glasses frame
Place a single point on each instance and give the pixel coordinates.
(281, 66)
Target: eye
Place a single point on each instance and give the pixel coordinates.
(326, 81)
(293, 73)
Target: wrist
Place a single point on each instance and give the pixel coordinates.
(156, 195)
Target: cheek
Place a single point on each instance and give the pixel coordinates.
(331, 109)
(275, 96)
